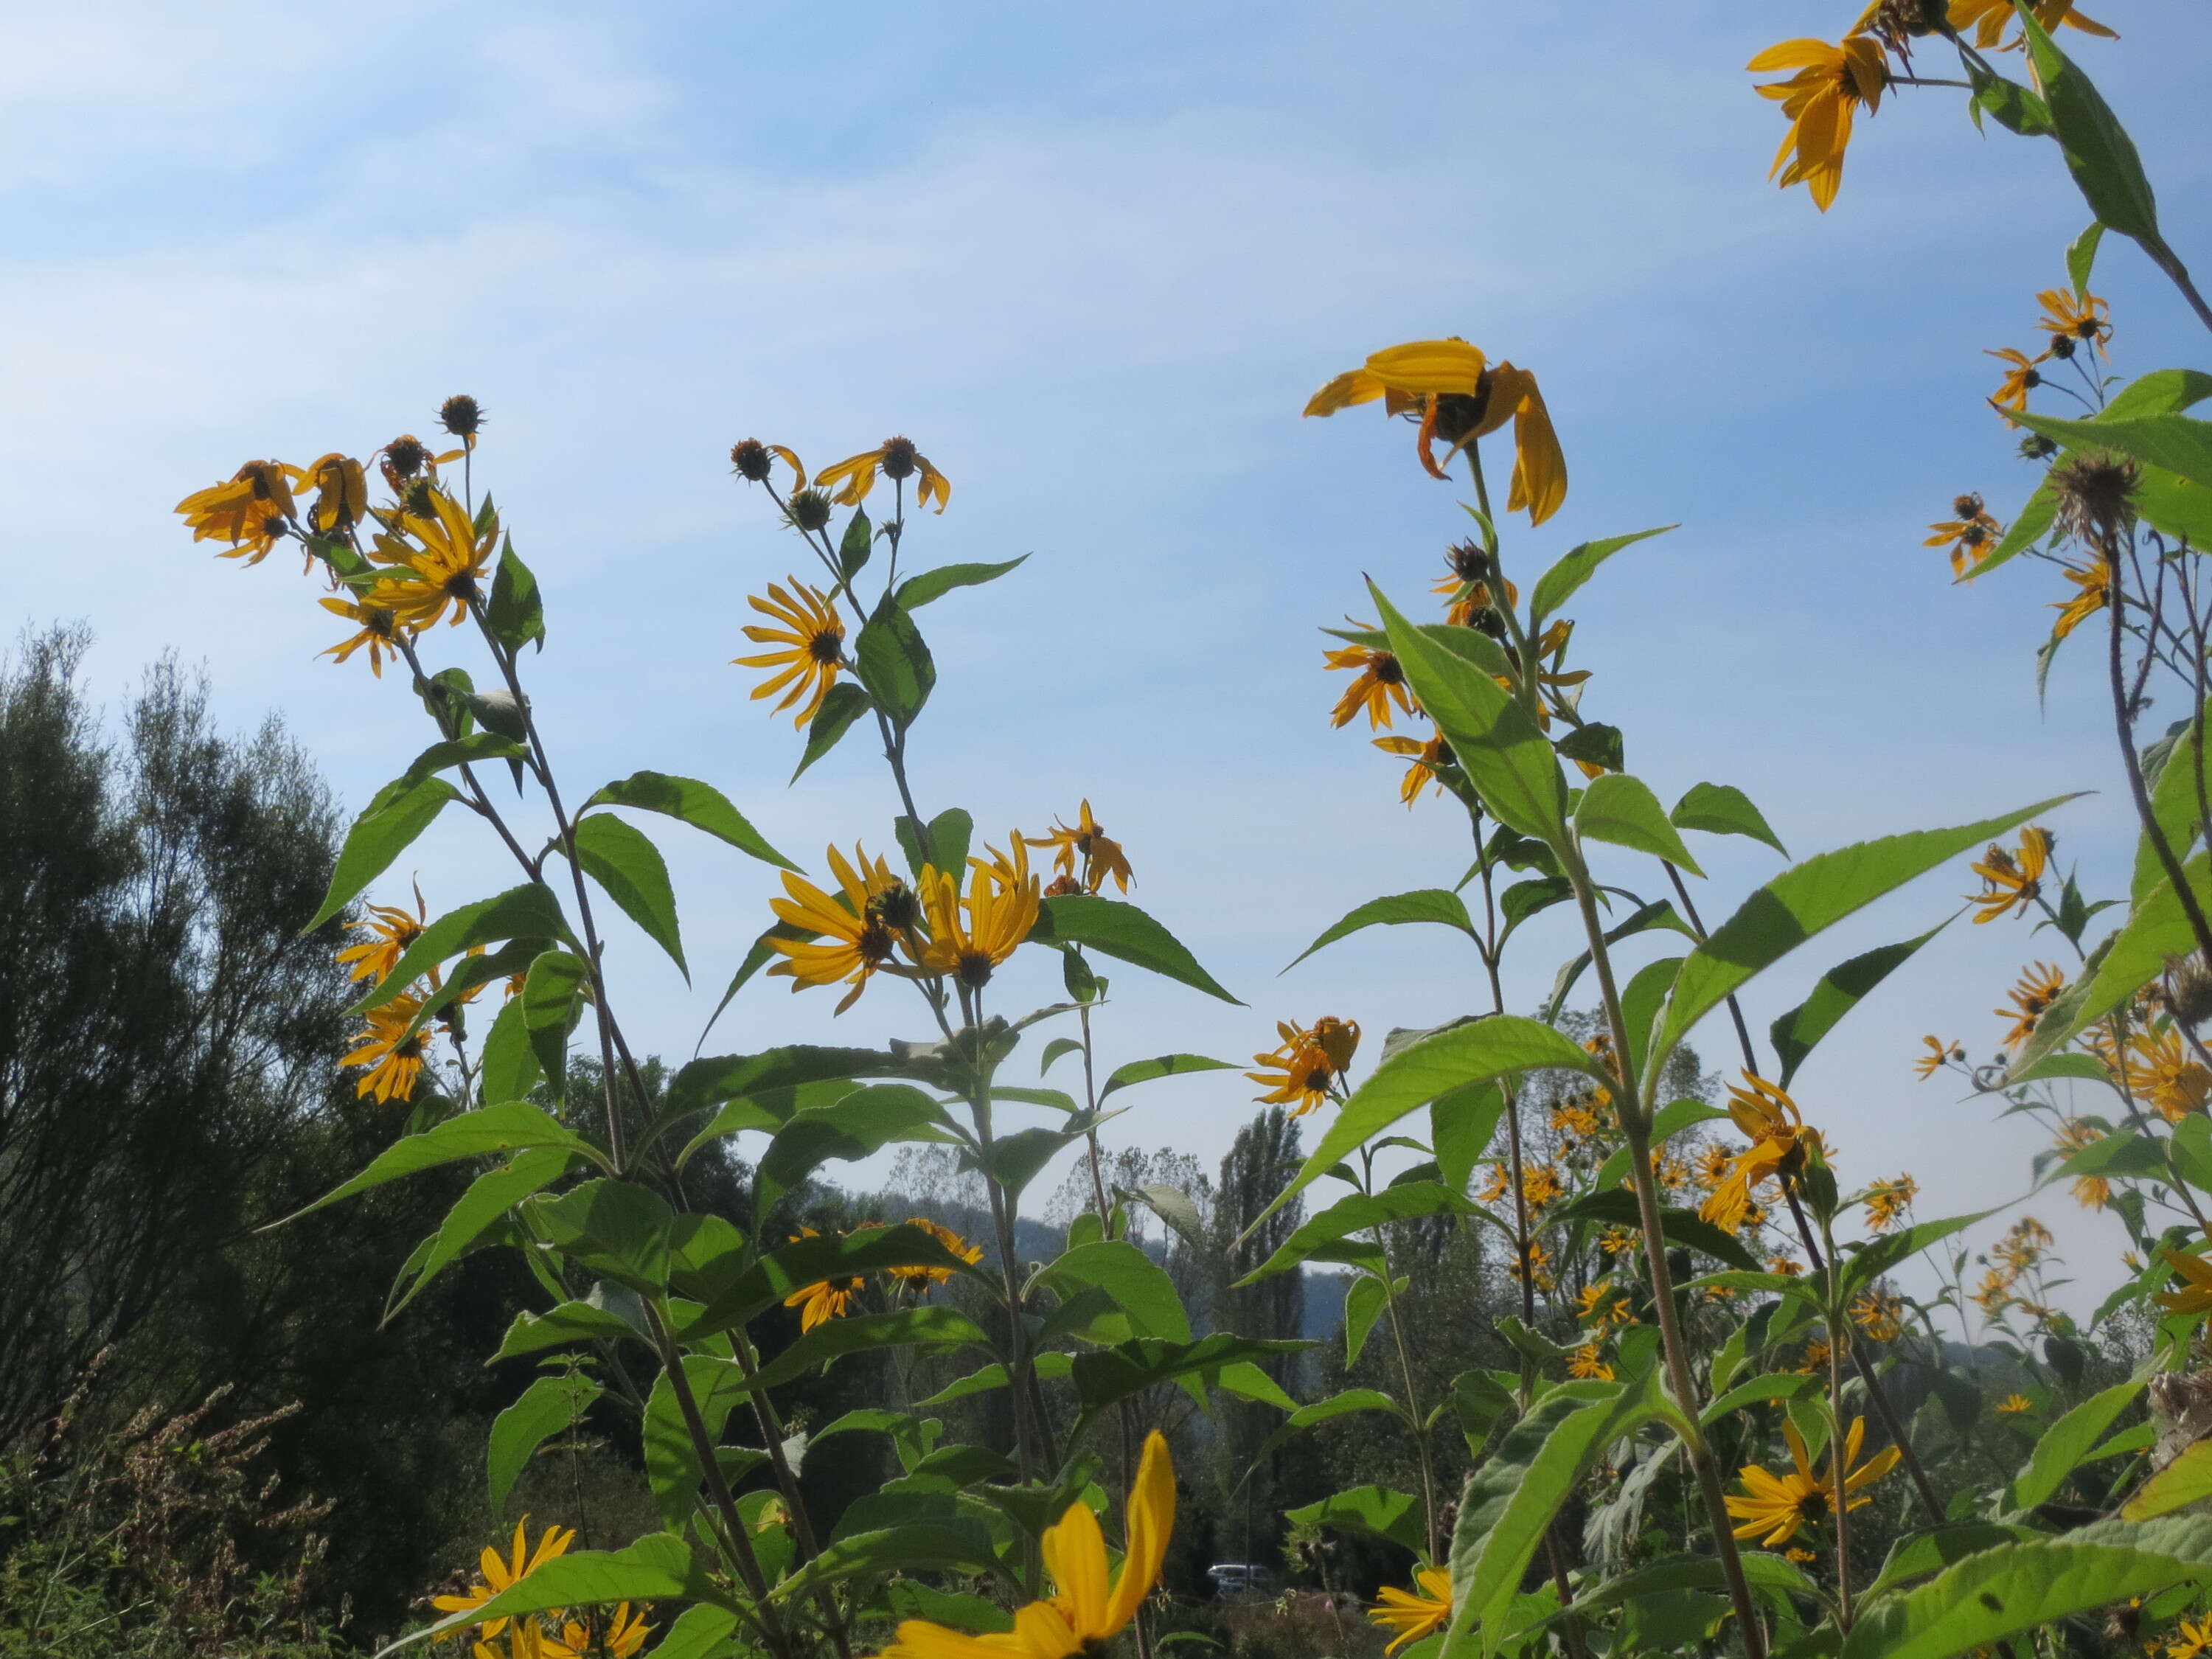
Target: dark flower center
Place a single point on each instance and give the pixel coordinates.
(1386, 668)
(461, 416)
(824, 646)
(406, 455)
(975, 969)
(875, 941)
(899, 457)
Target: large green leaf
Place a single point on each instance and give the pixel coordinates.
(672, 1468)
(489, 1197)
(915, 592)
(529, 911)
(460, 751)
(614, 1229)
(1138, 1285)
(516, 614)
(1373, 1512)
(699, 805)
(1574, 568)
(1461, 1123)
(1509, 1500)
(659, 1567)
(1159, 1066)
(1658, 914)
(1841, 989)
(2099, 152)
(2187, 1479)
(2181, 444)
(856, 1126)
(1507, 759)
(1807, 899)
(550, 1406)
(2174, 795)
(893, 663)
(511, 1127)
(1621, 808)
(629, 868)
(1721, 809)
(910, 1327)
(2067, 1443)
(709, 1082)
(2012, 1588)
(1117, 929)
(387, 827)
(1426, 905)
(1358, 1214)
(508, 1068)
(1495, 1046)
(843, 704)
(552, 999)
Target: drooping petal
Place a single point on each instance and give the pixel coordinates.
(1150, 1519)
(1075, 1556)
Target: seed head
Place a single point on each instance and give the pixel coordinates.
(898, 458)
(404, 455)
(809, 510)
(1468, 561)
(2096, 494)
(750, 460)
(1968, 506)
(461, 416)
(2037, 448)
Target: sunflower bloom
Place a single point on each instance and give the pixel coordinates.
(1987, 18)
(2014, 1404)
(1880, 1315)
(2092, 596)
(1821, 100)
(2086, 321)
(1969, 534)
(857, 929)
(250, 510)
(811, 647)
(1297, 1075)
(342, 493)
(969, 936)
(1940, 1055)
(378, 631)
(393, 1060)
(2021, 377)
(1380, 683)
(1089, 1606)
(2038, 987)
(499, 1574)
(2159, 1070)
(445, 568)
(1428, 761)
(1776, 1131)
(624, 1635)
(1887, 1202)
(896, 458)
(2010, 883)
(1420, 1611)
(389, 930)
(818, 1304)
(2195, 1295)
(920, 1278)
(1775, 1506)
(1101, 856)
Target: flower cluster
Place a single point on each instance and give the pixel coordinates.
(1307, 1068)
(833, 1298)
(555, 1634)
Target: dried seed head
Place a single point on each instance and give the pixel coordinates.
(898, 458)
(2096, 494)
(750, 460)
(2188, 990)
(406, 456)
(1969, 506)
(2037, 448)
(461, 416)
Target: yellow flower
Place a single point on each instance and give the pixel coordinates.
(1994, 1293)
(250, 511)
(1297, 1076)
(2022, 378)
(1415, 1612)
(342, 493)
(2195, 1637)
(818, 1304)
(1887, 1201)
(1939, 1054)
(1382, 682)
(970, 937)
(1814, 1359)
(753, 461)
(499, 1574)
(1968, 535)
(444, 568)
(2196, 1296)
(624, 1635)
(1786, 1265)
(2086, 320)
(1987, 18)
(1776, 1506)
(811, 644)
(1101, 857)
(1494, 1188)
(390, 933)
(1428, 758)
(2039, 988)
(1772, 1121)
(1460, 397)
(1539, 1185)
(1087, 1608)
(1538, 1267)
(1601, 1303)
(1880, 1315)
(920, 1277)
(2014, 1404)
(1821, 100)
(1619, 1241)
(2091, 598)
(896, 458)
(379, 631)
(857, 930)
(2165, 1075)
(2010, 884)
(394, 1060)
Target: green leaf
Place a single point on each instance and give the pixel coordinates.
(2156, 928)
(1841, 989)
(1510, 1499)
(917, 591)
(1556, 585)
(1506, 757)
(1616, 1207)
(672, 1468)
(2067, 1443)
(488, 1198)
(460, 751)
(612, 1230)
(1138, 1286)
(613, 1313)
(1427, 904)
(1761, 1390)
(529, 911)
(709, 1082)
(2174, 797)
(843, 704)
(893, 663)
(855, 545)
(2187, 1479)
(552, 1001)
(1360, 1212)
(629, 869)
(507, 1069)
(400, 813)
(659, 1567)
(861, 1123)
(1496, 1045)
(2016, 108)
(2082, 257)
(2179, 443)
(1866, 1265)
(511, 1127)
(1595, 742)
(1363, 1304)
(1160, 1066)
(550, 1406)
(1721, 809)
(699, 805)
(1461, 1123)
(961, 1546)
(2099, 152)
(1372, 1511)
(516, 614)
(1117, 929)
(2013, 1588)
(1922, 1553)
(950, 833)
(1808, 898)
(1622, 809)
(701, 1631)
(908, 1326)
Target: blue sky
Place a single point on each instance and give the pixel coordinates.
(1094, 262)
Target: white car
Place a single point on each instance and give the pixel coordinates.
(1233, 1580)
